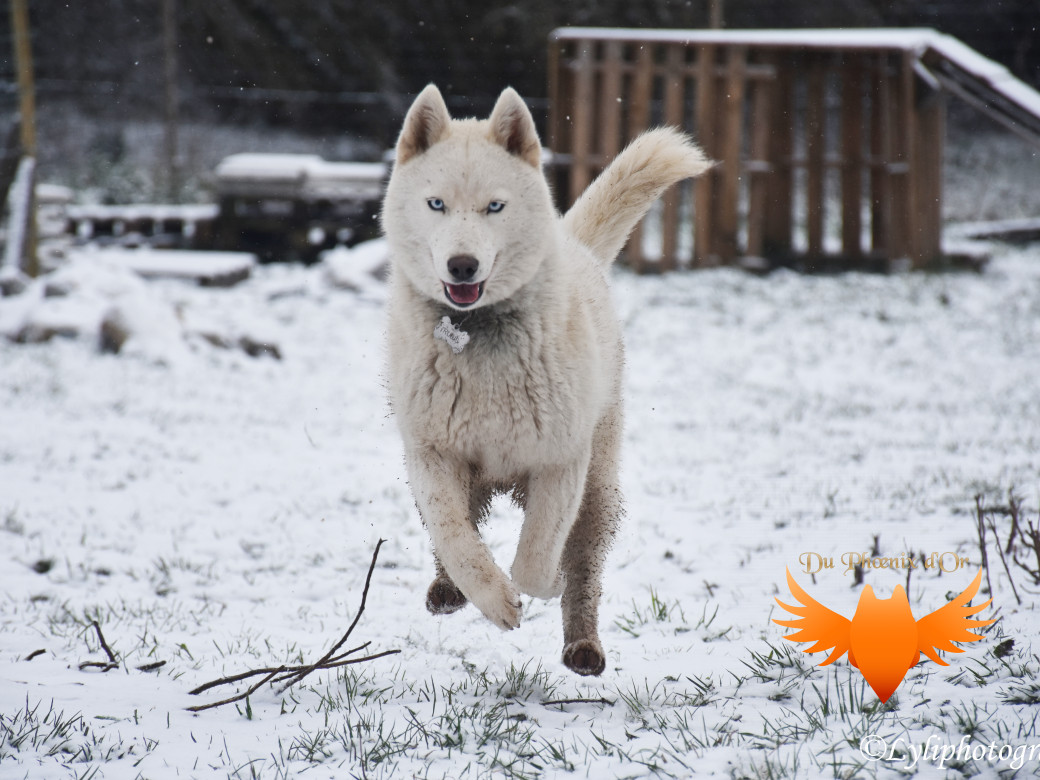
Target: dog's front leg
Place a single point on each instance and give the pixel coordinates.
(553, 499)
(442, 493)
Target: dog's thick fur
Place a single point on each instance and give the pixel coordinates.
(532, 403)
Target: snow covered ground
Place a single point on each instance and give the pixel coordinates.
(218, 512)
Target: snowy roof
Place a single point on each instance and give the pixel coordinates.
(300, 174)
(911, 39)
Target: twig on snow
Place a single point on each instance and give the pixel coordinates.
(104, 666)
(560, 702)
(287, 676)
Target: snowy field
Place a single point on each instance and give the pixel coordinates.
(217, 512)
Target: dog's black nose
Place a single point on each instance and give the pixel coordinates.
(463, 267)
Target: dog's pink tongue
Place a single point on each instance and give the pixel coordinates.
(464, 293)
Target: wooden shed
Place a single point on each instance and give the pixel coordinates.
(829, 142)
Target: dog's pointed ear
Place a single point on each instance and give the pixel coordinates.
(426, 122)
(513, 128)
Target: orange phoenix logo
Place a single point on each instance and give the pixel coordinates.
(883, 639)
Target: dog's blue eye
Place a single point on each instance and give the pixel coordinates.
(436, 204)
(495, 206)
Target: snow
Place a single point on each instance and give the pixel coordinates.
(218, 512)
(208, 266)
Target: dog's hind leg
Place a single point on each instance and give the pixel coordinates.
(586, 550)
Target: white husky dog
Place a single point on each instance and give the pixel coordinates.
(505, 356)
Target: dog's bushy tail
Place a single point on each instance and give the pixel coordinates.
(605, 214)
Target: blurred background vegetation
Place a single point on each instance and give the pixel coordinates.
(334, 77)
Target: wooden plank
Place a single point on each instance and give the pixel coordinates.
(704, 253)
(852, 158)
(929, 136)
(638, 120)
(777, 222)
(581, 121)
(560, 98)
(763, 96)
(904, 222)
(815, 139)
(674, 102)
(556, 97)
(731, 117)
(610, 100)
(881, 156)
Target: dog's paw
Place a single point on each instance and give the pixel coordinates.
(537, 581)
(585, 657)
(443, 597)
(500, 603)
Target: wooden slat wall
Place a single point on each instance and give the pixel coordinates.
(809, 145)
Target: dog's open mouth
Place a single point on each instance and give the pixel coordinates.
(463, 294)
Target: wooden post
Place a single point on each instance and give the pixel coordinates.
(556, 97)
(776, 238)
(704, 253)
(638, 121)
(929, 134)
(172, 103)
(27, 109)
(762, 169)
(852, 157)
(610, 101)
(674, 100)
(731, 132)
(881, 156)
(581, 122)
(815, 139)
(904, 221)
(715, 14)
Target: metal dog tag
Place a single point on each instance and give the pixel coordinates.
(447, 332)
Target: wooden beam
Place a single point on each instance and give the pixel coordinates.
(928, 141)
(763, 97)
(610, 99)
(642, 86)
(881, 157)
(852, 157)
(674, 102)
(581, 122)
(903, 219)
(777, 219)
(815, 138)
(731, 132)
(26, 86)
(27, 127)
(704, 253)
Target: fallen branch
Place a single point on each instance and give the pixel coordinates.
(104, 666)
(287, 676)
(561, 702)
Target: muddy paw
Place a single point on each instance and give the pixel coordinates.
(585, 657)
(443, 597)
(500, 604)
